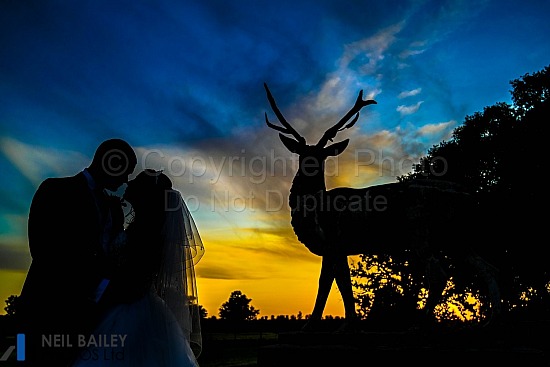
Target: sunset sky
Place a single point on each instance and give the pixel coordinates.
(182, 82)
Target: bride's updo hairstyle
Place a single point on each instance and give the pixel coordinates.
(146, 193)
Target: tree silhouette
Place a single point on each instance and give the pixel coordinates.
(11, 305)
(386, 293)
(531, 90)
(202, 312)
(238, 308)
(499, 155)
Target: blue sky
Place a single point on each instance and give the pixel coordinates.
(182, 81)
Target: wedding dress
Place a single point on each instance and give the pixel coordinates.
(162, 328)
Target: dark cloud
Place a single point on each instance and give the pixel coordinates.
(14, 257)
(227, 273)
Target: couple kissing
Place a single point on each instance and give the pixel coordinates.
(108, 288)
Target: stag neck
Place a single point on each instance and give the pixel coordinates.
(306, 184)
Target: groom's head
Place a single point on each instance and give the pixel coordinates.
(114, 160)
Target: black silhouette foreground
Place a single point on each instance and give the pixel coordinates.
(67, 232)
(97, 293)
(426, 217)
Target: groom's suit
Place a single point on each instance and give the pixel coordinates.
(66, 227)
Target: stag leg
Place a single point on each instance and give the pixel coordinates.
(325, 283)
(334, 267)
(326, 277)
(343, 281)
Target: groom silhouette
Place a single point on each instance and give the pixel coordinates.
(71, 221)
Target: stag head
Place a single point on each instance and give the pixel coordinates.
(312, 157)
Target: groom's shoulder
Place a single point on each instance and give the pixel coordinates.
(62, 183)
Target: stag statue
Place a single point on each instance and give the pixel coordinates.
(429, 218)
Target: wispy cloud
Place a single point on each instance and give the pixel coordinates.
(369, 52)
(36, 162)
(409, 110)
(359, 67)
(438, 131)
(409, 93)
(407, 53)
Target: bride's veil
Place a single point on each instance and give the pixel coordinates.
(175, 283)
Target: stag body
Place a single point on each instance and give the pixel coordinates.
(426, 217)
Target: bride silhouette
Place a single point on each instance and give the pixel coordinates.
(151, 315)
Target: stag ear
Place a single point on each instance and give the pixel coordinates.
(336, 148)
(291, 144)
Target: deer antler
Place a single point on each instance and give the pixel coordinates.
(286, 128)
(331, 133)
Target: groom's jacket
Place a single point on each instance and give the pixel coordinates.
(65, 229)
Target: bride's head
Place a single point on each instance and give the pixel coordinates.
(147, 192)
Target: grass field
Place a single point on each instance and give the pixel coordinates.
(219, 349)
(231, 346)
(225, 349)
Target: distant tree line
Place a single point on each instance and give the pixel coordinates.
(237, 308)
